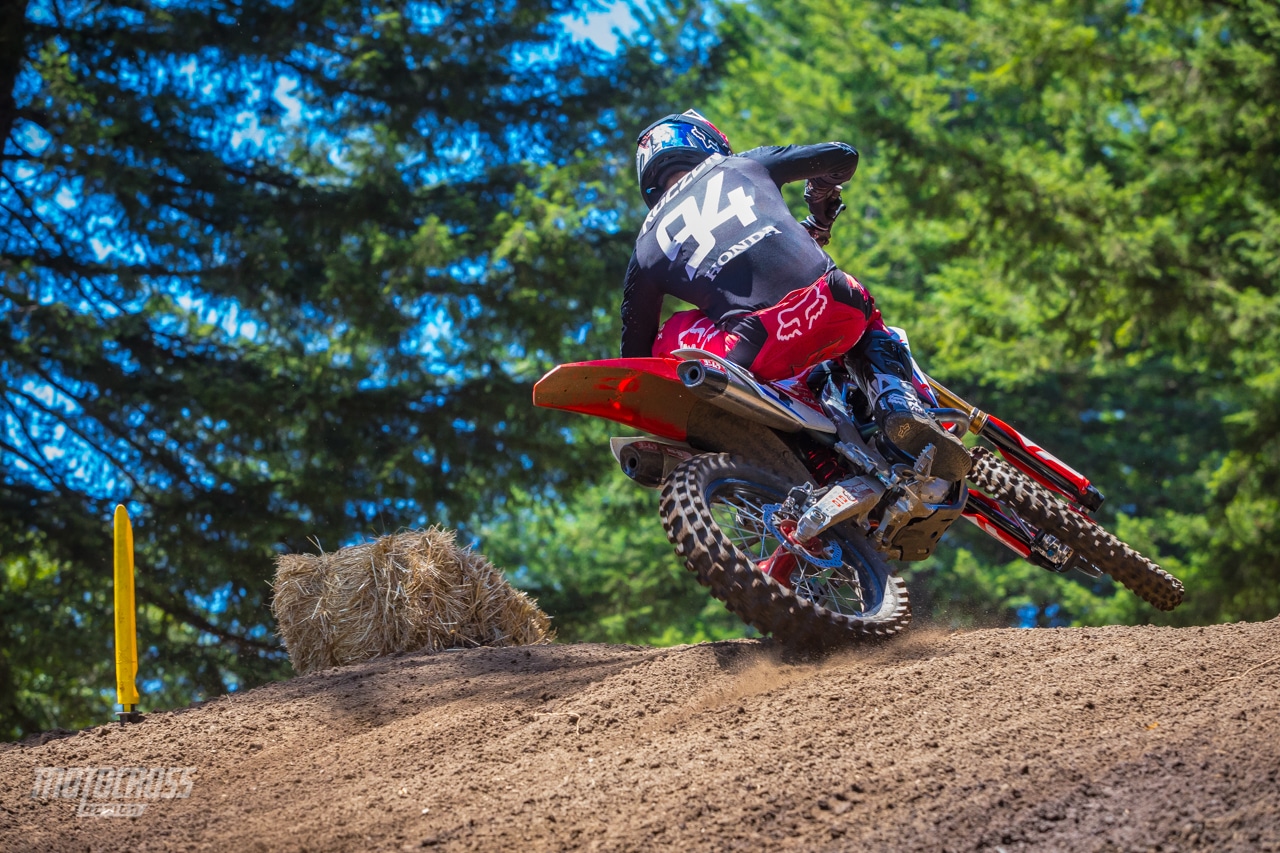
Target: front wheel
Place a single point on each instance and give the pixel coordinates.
(1039, 506)
(720, 513)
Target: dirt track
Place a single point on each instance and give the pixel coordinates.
(1079, 739)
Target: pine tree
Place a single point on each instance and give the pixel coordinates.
(274, 272)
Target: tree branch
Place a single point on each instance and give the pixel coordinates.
(175, 608)
(37, 463)
(82, 435)
(71, 266)
(93, 411)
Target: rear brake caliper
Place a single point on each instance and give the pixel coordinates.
(780, 520)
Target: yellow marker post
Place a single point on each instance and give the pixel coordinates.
(126, 618)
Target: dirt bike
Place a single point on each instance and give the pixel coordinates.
(788, 504)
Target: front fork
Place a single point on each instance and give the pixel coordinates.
(1039, 548)
(1040, 465)
(1025, 455)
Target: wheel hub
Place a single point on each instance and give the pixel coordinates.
(783, 562)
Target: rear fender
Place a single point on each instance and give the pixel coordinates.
(644, 393)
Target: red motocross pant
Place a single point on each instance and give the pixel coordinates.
(808, 326)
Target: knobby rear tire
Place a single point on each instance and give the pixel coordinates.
(733, 576)
(1040, 507)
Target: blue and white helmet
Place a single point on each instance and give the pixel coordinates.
(676, 143)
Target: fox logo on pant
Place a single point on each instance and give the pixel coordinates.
(797, 319)
(697, 335)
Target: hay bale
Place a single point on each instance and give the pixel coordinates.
(404, 592)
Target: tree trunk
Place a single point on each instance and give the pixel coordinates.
(13, 19)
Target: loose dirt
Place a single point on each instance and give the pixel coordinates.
(1073, 739)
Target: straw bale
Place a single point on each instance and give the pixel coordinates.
(410, 591)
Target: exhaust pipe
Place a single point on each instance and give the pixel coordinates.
(726, 391)
(703, 382)
(648, 461)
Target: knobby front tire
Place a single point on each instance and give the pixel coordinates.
(1040, 507)
(713, 509)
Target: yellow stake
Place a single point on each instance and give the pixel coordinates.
(126, 615)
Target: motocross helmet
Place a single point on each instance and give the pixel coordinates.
(676, 143)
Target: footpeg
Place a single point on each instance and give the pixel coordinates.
(924, 461)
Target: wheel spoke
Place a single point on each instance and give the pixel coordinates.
(742, 521)
(832, 589)
(739, 511)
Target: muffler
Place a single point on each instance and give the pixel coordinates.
(726, 391)
(648, 461)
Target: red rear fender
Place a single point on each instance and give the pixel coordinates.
(644, 393)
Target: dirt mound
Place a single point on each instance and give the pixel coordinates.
(1080, 739)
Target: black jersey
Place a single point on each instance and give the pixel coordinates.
(723, 239)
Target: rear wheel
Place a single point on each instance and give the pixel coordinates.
(1039, 506)
(722, 514)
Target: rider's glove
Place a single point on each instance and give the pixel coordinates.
(825, 205)
(820, 235)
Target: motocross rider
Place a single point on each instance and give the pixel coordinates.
(769, 298)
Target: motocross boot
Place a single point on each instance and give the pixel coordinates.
(881, 367)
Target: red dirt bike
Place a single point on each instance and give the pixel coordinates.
(787, 503)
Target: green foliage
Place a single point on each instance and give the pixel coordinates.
(1072, 208)
(601, 567)
(45, 614)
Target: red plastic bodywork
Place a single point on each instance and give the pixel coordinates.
(975, 505)
(1036, 462)
(644, 393)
